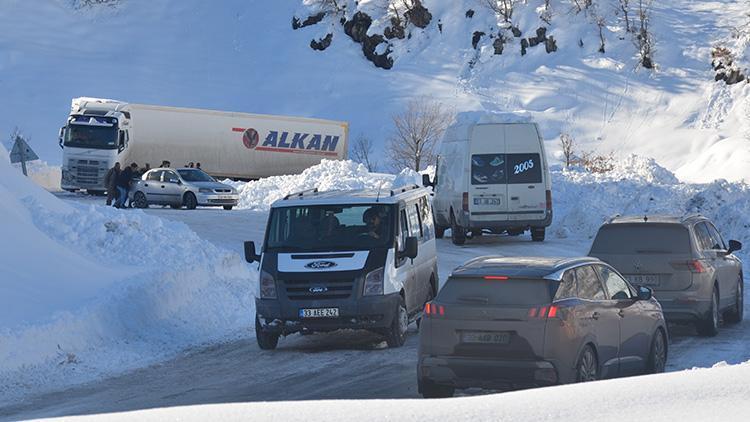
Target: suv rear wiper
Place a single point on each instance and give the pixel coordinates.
(476, 299)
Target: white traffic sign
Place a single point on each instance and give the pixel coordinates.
(21, 153)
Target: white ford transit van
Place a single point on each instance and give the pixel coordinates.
(492, 173)
(361, 259)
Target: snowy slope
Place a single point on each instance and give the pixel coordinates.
(244, 56)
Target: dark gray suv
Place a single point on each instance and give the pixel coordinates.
(502, 323)
(685, 260)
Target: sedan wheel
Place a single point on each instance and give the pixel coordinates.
(587, 366)
(139, 200)
(190, 201)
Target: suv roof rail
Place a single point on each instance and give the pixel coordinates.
(301, 194)
(395, 192)
(612, 218)
(691, 215)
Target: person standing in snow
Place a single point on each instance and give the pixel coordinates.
(123, 184)
(110, 182)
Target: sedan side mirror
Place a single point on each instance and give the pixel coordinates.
(734, 246)
(250, 254)
(411, 248)
(645, 293)
(426, 180)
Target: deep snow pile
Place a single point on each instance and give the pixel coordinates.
(88, 291)
(717, 394)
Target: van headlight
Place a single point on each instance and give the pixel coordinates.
(205, 190)
(267, 286)
(374, 282)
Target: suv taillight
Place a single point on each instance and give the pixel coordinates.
(696, 266)
(465, 201)
(544, 312)
(433, 310)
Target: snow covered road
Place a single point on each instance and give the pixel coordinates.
(342, 365)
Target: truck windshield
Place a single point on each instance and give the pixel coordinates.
(331, 228)
(195, 175)
(90, 136)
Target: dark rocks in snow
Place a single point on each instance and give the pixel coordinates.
(357, 27)
(734, 76)
(396, 30)
(322, 43)
(418, 15)
(541, 36)
(469, 13)
(310, 20)
(550, 44)
(516, 31)
(371, 44)
(475, 38)
(524, 46)
(499, 45)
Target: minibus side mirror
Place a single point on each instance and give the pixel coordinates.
(411, 248)
(426, 180)
(250, 254)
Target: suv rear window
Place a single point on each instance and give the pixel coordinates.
(513, 291)
(642, 238)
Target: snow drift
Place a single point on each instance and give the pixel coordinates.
(88, 291)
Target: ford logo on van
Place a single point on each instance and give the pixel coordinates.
(318, 289)
(320, 265)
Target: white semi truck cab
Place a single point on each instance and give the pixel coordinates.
(94, 137)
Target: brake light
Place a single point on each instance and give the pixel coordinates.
(465, 201)
(696, 266)
(431, 310)
(544, 312)
(495, 277)
(552, 313)
(549, 200)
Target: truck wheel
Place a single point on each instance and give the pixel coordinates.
(396, 334)
(537, 234)
(439, 231)
(189, 201)
(139, 200)
(458, 233)
(228, 207)
(735, 315)
(709, 326)
(266, 340)
(430, 390)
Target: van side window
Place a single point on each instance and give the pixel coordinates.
(418, 215)
(425, 217)
(567, 287)
(404, 232)
(589, 286)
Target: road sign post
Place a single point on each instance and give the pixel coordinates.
(21, 153)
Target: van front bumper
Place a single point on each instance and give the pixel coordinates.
(492, 374)
(367, 312)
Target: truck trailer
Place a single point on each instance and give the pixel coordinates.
(101, 132)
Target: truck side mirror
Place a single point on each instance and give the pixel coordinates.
(411, 248)
(426, 180)
(250, 254)
(60, 136)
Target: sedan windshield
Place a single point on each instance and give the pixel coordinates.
(331, 227)
(90, 136)
(195, 175)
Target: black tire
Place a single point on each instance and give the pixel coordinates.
(228, 207)
(709, 325)
(737, 313)
(439, 231)
(537, 234)
(657, 358)
(139, 200)
(430, 390)
(266, 340)
(175, 206)
(458, 233)
(587, 368)
(190, 201)
(395, 336)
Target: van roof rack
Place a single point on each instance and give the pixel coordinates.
(395, 192)
(301, 194)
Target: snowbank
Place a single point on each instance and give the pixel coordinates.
(718, 393)
(89, 291)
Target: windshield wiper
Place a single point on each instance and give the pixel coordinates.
(475, 299)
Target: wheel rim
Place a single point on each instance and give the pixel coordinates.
(140, 200)
(660, 353)
(587, 369)
(403, 320)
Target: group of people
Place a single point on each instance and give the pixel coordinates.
(191, 165)
(117, 181)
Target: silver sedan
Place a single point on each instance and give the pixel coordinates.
(187, 187)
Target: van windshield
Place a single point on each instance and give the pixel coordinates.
(331, 228)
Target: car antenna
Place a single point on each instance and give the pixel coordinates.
(380, 186)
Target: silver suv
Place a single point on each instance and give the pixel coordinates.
(692, 270)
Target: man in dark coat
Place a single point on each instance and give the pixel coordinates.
(123, 184)
(110, 182)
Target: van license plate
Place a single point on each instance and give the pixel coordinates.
(485, 337)
(650, 280)
(487, 201)
(319, 313)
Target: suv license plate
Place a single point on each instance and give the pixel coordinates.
(485, 337)
(487, 201)
(319, 313)
(644, 280)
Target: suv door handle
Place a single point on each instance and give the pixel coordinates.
(621, 313)
(595, 315)
(514, 198)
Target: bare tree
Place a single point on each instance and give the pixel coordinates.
(329, 6)
(582, 5)
(503, 8)
(567, 143)
(644, 39)
(416, 133)
(601, 23)
(546, 15)
(625, 8)
(362, 152)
